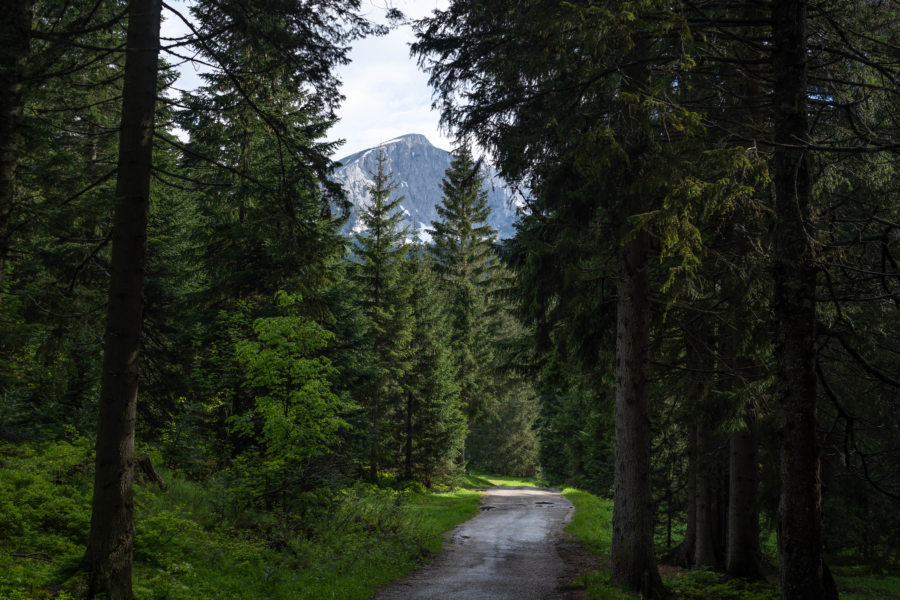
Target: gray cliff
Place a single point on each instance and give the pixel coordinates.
(417, 168)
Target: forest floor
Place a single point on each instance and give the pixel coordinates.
(592, 526)
(193, 544)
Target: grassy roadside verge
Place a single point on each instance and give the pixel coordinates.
(592, 526)
(478, 480)
(191, 544)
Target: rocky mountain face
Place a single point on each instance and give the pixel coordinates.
(417, 168)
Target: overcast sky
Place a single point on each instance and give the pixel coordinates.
(387, 95)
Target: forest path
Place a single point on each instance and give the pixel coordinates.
(514, 549)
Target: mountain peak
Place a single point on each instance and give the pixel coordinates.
(416, 169)
(410, 139)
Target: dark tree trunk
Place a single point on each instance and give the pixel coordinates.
(108, 559)
(407, 450)
(707, 549)
(632, 557)
(706, 553)
(744, 557)
(804, 575)
(683, 554)
(633, 563)
(373, 449)
(15, 39)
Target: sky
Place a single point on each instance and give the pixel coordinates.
(386, 94)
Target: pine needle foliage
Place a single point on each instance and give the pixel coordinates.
(465, 260)
(384, 298)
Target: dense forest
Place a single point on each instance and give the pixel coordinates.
(697, 316)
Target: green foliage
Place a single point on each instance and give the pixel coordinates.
(706, 585)
(294, 402)
(436, 425)
(295, 415)
(576, 430)
(592, 523)
(465, 260)
(383, 294)
(188, 548)
(598, 586)
(503, 438)
(44, 513)
(478, 479)
(867, 587)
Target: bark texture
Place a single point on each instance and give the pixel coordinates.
(632, 556)
(706, 548)
(743, 556)
(15, 39)
(682, 555)
(804, 575)
(633, 563)
(108, 559)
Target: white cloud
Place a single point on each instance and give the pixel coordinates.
(386, 94)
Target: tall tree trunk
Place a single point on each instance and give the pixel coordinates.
(108, 559)
(632, 557)
(804, 575)
(633, 563)
(407, 448)
(373, 448)
(682, 555)
(743, 558)
(15, 40)
(705, 550)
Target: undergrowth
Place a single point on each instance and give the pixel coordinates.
(475, 479)
(592, 526)
(193, 544)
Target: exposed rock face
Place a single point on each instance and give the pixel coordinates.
(417, 168)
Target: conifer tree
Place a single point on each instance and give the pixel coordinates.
(435, 423)
(384, 295)
(108, 558)
(463, 249)
(15, 37)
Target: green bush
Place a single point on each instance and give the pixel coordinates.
(194, 542)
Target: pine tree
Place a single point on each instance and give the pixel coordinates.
(15, 38)
(384, 295)
(110, 547)
(435, 423)
(465, 259)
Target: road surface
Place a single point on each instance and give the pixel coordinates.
(510, 551)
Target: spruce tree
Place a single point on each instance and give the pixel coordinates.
(435, 423)
(384, 295)
(463, 250)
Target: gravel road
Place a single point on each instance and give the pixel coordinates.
(512, 550)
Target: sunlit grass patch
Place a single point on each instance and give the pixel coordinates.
(441, 512)
(475, 479)
(592, 523)
(472, 480)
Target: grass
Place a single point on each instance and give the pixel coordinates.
(592, 526)
(189, 546)
(868, 587)
(483, 480)
(592, 522)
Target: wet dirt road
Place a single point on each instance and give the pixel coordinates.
(508, 551)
